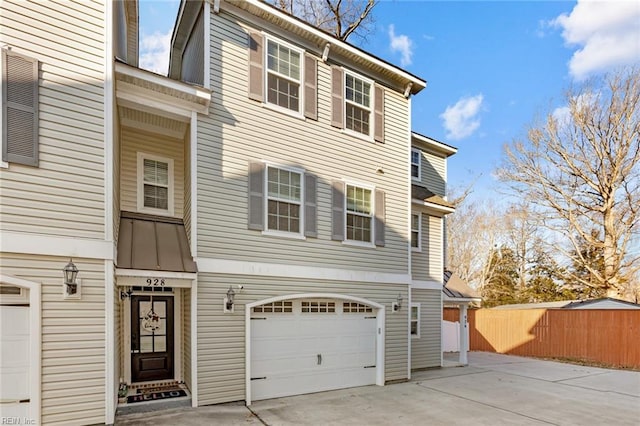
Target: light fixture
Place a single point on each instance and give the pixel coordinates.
(397, 304)
(228, 300)
(126, 293)
(71, 284)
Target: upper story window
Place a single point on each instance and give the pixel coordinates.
(357, 104)
(155, 184)
(359, 214)
(416, 231)
(284, 199)
(416, 166)
(283, 75)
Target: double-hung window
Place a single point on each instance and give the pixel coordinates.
(357, 104)
(283, 75)
(415, 164)
(416, 231)
(415, 320)
(155, 184)
(284, 200)
(359, 213)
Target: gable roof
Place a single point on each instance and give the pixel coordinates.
(454, 288)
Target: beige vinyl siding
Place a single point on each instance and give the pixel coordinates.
(64, 195)
(73, 338)
(118, 324)
(434, 174)
(134, 141)
(420, 259)
(426, 350)
(186, 336)
(238, 130)
(221, 337)
(193, 56)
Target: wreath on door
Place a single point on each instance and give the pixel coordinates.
(151, 321)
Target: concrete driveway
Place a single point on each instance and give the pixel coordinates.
(494, 389)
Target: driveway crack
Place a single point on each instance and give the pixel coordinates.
(257, 416)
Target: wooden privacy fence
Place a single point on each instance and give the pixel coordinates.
(605, 336)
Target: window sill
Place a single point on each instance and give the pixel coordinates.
(282, 234)
(415, 336)
(156, 212)
(416, 249)
(4, 165)
(359, 244)
(284, 111)
(357, 135)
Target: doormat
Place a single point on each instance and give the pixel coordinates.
(156, 396)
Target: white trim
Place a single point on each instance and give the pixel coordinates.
(126, 333)
(372, 215)
(111, 379)
(419, 177)
(193, 151)
(433, 206)
(133, 97)
(207, 42)
(153, 128)
(426, 285)
(461, 300)
(300, 112)
(367, 136)
(238, 267)
(419, 248)
(140, 184)
(327, 38)
(153, 274)
(46, 245)
(177, 335)
(35, 342)
(441, 315)
(380, 326)
(446, 149)
(3, 164)
(194, 343)
(411, 306)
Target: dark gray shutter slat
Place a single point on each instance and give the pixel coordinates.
(310, 206)
(380, 218)
(337, 101)
(310, 87)
(256, 66)
(378, 119)
(337, 211)
(256, 195)
(19, 109)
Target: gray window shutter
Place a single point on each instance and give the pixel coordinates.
(256, 195)
(337, 100)
(337, 211)
(380, 218)
(310, 87)
(19, 109)
(256, 66)
(378, 113)
(310, 206)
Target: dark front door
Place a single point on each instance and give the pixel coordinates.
(151, 338)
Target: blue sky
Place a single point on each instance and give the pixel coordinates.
(491, 67)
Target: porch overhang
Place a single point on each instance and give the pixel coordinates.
(156, 94)
(424, 197)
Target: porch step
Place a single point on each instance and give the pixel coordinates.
(127, 410)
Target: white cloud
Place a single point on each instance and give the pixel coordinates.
(607, 33)
(154, 52)
(461, 119)
(401, 43)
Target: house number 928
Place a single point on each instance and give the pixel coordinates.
(155, 282)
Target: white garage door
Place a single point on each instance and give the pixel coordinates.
(14, 362)
(305, 346)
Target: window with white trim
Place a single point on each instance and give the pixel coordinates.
(359, 213)
(416, 165)
(283, 75)
(415, 320)
(155, 184)
(284, 199)
(357, 104)
(416, 231)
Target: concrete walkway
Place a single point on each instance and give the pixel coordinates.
(493, 390)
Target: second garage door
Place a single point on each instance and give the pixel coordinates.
(304, 346)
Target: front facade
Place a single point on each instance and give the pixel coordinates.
(243, 229)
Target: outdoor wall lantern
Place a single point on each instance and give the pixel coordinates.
(126, 293)
(228, 300)
(71, 283)
(397, 304)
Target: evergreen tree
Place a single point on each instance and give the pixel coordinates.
(501, 283)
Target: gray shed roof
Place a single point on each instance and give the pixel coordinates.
(153, 243)
(455, 288)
